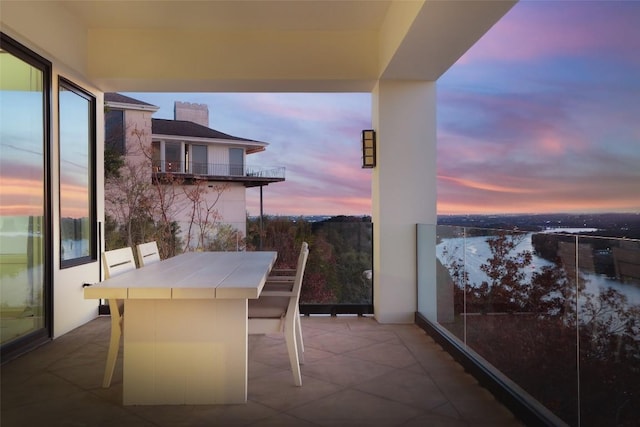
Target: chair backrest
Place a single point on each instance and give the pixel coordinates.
(297, 282)
(276, 301)
(118, 261)
(148, 253)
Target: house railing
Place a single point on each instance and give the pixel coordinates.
(338, 277)
(275, 172)
(218, 169)
(553, 318)
(339, 274)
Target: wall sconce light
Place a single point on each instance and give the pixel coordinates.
(368, 148)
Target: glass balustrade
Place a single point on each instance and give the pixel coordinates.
(339, 273)
(557, 314)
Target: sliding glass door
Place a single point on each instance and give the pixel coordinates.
(25, 269)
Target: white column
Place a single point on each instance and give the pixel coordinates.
(163, 158)
(403, 191)
(183, 158)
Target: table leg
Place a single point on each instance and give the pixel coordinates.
(185, 352)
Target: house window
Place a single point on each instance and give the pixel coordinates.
(236, 161)
(199, 164)
(25, 197)
(114, 138)
(172, 157)
(77, 111)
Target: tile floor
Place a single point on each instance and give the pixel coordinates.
(357, 373)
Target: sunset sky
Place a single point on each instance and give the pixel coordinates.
(541, 115)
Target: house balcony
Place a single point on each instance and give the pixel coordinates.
(357, 372)
(250, 176)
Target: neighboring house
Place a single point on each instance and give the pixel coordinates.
(206, 169)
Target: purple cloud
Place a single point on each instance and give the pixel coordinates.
(547, 100)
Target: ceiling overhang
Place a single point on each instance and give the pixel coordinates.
(253, 46)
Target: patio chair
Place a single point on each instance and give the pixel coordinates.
(276, 311)
(148, 253)
(115, 262)
(282, 276)
(282, 279)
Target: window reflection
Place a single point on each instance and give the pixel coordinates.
(77, 136)
(22, 194)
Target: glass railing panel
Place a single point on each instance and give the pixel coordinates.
(514, 306)
(541, 307)
(339, 271)
(608, 277)
(451, 280)
(340, 266)
(553, 376)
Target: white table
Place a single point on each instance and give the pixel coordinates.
(185, 334)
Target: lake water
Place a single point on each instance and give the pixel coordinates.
(477, 253)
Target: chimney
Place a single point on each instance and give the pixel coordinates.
(196, 113)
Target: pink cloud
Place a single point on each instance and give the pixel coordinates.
(21, 196)
(302, 107)
(486, 186)
(558, 192)
(309, 204)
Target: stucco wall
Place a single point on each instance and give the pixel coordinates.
(138, 136)
(228, 204)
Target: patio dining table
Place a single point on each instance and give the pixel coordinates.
(185, 333)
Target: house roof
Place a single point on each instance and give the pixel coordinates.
(121, 99)
(118, 101)
(187, 129)
(180, 128)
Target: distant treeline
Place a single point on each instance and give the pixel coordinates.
(621, 225)
(340, 254)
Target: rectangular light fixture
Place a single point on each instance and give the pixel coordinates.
(368, 148)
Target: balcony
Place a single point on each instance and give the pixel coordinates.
(357, 372)
(550, 318)
(250, 176)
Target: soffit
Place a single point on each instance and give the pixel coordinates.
(275, 46)
(260, 15)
